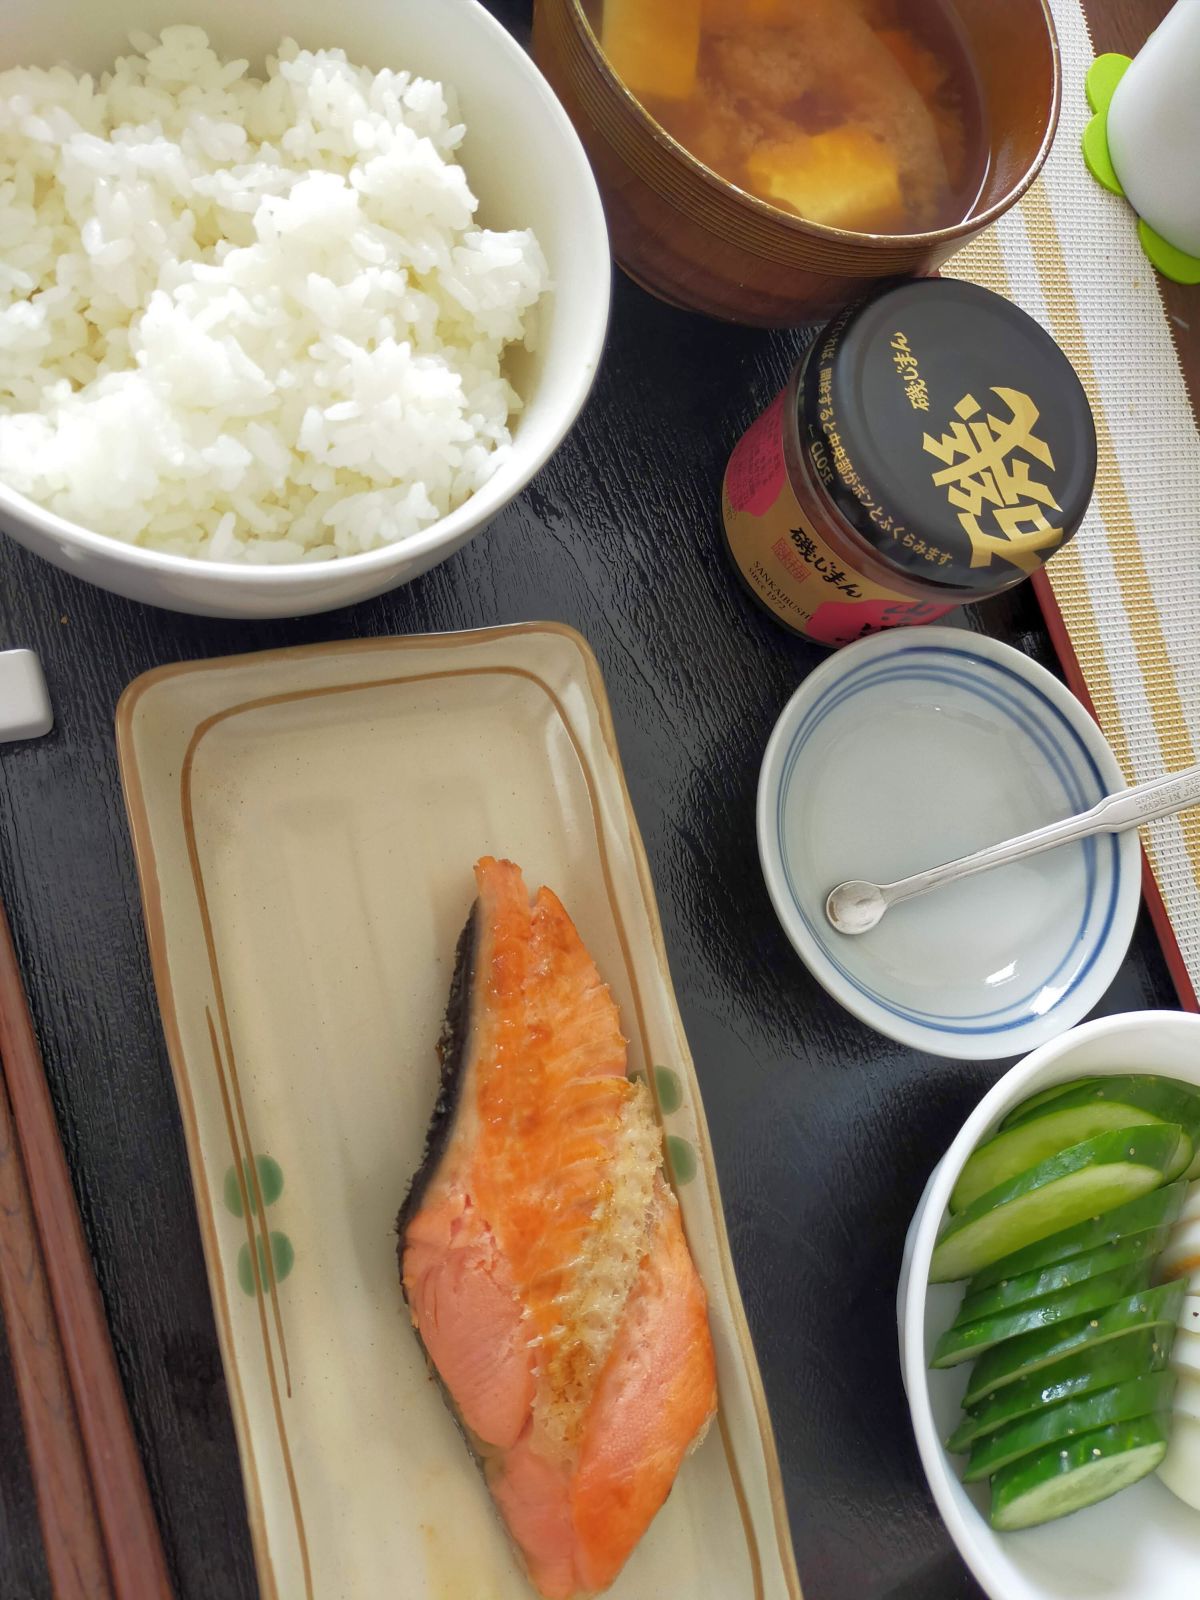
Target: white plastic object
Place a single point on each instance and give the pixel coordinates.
(1154, 129)
(25, 711)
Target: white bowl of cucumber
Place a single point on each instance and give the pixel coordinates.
(1067, 1376)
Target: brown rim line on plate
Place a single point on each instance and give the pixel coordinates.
(305, 822)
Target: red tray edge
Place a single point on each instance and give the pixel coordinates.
(1151, 893)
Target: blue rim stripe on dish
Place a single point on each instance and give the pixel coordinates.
(1067, 778)
(1034, 730)
(869, 674)
(929, 663)
(884, 670)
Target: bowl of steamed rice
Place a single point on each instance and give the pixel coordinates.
(293, 298)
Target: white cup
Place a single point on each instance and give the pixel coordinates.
(1154, 129)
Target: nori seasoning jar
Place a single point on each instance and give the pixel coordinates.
(933, 447)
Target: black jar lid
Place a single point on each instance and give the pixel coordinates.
(951, 431)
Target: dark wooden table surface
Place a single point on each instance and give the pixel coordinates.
(824, 1133)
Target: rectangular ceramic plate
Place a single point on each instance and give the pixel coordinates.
(305, 823)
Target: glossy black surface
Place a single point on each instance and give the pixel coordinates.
(824, 1133)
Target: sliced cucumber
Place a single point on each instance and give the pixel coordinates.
(1060, 1125)
(1036, 1101)
(1035, 1286)
(966, 1340)
(1084, 1181)
(1116, 1362)
(1148, 1395)
(1066, 1477)
(1166, 1098)
(1157, 1209)
(1018, 1358)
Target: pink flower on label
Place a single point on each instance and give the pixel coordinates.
(757, 470)
(840, 622)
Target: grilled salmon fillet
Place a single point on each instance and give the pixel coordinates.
(542, 1254)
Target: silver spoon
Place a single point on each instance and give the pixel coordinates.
(856, 907)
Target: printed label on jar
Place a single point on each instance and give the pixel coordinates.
(787, 564)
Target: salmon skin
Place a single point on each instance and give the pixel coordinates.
(542, 1254)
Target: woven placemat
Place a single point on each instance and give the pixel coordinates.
(1123, 599)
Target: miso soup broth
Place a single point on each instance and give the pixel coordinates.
(860, 114)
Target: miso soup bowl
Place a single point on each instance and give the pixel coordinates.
(698, 241)
(1141, 1544)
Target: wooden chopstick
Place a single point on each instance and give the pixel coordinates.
(137, 1568)
(67, 1512)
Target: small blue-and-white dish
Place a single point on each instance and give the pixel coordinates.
(913, 748)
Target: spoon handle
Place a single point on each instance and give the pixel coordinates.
(1161, 797)
(1128, 808)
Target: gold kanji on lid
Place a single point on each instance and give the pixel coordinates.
(989, 479)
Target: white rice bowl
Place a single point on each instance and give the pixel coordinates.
(249, 320)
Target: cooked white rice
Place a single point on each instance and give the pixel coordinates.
(245, 320)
